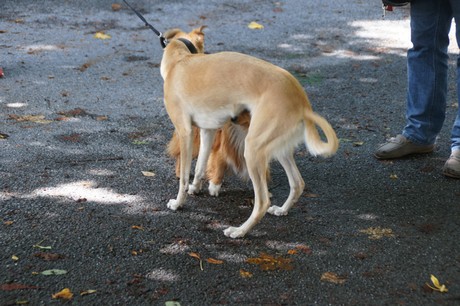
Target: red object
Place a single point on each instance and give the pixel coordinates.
(389, 8)
(1, 73)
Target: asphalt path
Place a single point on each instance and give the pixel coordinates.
(84, 178)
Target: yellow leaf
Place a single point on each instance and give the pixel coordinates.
(333, 278)
(138, 227)
(87, 292)
(14, 258)
(214, 261)
(194, 255)
(437, 285)
(245, 274)
(393, 176)
(64, 294)
(102, 35)
(377, 232)
(255, 26)
(292, 252)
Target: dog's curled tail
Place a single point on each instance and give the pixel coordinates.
(312, 138)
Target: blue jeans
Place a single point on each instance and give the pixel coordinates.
(427, 63)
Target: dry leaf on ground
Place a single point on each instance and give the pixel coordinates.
(333, 278)
(64, 294)
(102, 35)
(269, 263)
(375, 233)
(30, 118)
(437, 286)
(255, 26)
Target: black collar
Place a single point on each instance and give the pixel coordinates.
(189, 45)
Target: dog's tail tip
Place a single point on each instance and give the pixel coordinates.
(314, 144)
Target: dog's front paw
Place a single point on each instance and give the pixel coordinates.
(277, 211)
(214, 189)
(173, 204)
(234, 232)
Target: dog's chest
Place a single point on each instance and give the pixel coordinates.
(212, 120)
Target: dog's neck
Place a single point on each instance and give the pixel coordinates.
(189, 45)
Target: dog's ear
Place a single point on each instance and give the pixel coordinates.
(198, 38)
(170, 34)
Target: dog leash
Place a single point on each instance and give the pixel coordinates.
(163, 40)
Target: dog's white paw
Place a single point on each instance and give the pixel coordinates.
(234, 232)
(194, 189)
(173, 204)
(214, 189)
(277, 211)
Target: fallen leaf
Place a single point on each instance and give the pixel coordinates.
(197, 256)
(4, 136)
(116, 7)
(41, 247)
(88, 292)
(102, 35)
(311, 195)
(140, 142)
(16, 286)
(14, 258)
(54, 272)
(292, 252)
(8, 223)
(358, 143)
(76, 112)
(377, 232)
(269, 263)
(172, 303)
(245, 274)
(215, 261)
(393, 176)
(1, 72)
(137, 227)
(22, 302)
(85, 66)
(333, 278)
(437, 286)
(194, 255)
(30, 118)
(64, 294)
(255, 26)
(148, 173)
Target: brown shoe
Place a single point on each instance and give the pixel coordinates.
(400, 146)
(452, 165)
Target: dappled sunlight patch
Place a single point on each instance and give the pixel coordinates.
(392, 35)
(162, 275)
(15, 104)
(85, 190)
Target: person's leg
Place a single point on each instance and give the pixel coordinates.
(427, 63)
(427, 80)
(452, 166)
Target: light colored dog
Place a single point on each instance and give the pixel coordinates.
(208, 90)
(227, 152)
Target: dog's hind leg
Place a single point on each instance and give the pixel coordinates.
(257, 164)
(186, 146)
(296, 185)
(206, 141)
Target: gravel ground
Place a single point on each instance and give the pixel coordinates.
(82, 118)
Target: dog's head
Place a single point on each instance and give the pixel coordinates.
(196, 37)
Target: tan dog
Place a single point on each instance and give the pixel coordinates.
(227, 152)
(208, 90)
